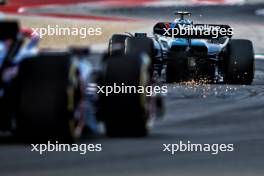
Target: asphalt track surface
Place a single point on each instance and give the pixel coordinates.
(198, 113)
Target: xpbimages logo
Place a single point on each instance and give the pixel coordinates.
(57, 147)
(128, 89)
(188, 146)
(67, 31)
(196, 30)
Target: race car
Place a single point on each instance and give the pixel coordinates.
(46, 95)
(31, 96)
(186, 51)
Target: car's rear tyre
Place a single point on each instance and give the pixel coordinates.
(139, 45)
(177, 70)
(46, 99)
(240, 62)
(116, 44)
(4, 118)
(124, 114)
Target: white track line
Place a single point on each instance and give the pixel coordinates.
(259, 56)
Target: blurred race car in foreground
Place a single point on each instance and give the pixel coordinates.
(186, 51)
(47, 95)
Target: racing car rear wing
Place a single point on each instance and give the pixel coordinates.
(193, 31)
(8, 30)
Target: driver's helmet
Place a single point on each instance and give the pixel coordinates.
(183, 21)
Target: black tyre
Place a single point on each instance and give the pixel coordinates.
(124, 114)
(116, 44)
(46, 99)
(177, 69)
(4, 119)
(139, 45)
(6, 108)
(240, 62)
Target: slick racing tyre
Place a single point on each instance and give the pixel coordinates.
(177, 69)
(240, 62)
(138, 45)
(47, 95)
(116, 44)
(124, 113)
